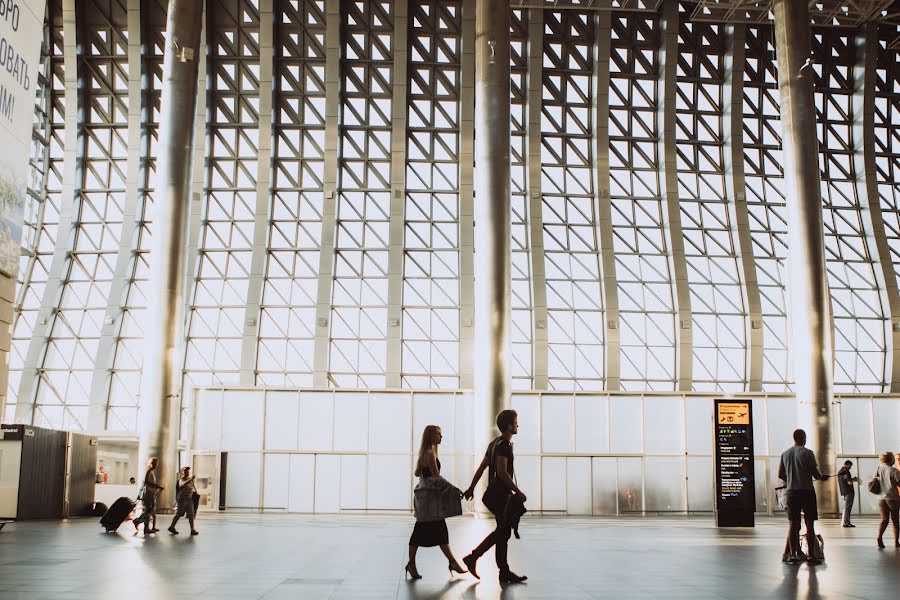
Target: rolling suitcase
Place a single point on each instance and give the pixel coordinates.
(117, 513)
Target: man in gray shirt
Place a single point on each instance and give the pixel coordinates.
(798, 468)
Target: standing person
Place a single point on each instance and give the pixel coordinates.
(798, 468)
(185, 501)
(431, 533)
(498, 459)
(148, 499)
(848, 492)
(889, 499)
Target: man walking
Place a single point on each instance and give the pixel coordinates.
(848, 492)
(798, 468)
(498, 459)
(151, 491)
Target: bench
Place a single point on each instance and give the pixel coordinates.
(4, 522)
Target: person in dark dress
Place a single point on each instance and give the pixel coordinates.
(498, 459)
(430, 533)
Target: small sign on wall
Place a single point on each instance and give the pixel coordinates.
(734, 469)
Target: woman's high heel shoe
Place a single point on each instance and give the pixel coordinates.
(412, 572)
(455, 568)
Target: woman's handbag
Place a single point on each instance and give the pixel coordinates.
(875, 485)
(435, 499)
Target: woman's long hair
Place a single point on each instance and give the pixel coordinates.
(429, 435)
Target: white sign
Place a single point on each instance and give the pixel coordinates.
(21, 32)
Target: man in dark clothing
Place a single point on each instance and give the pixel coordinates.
(798, 468)
(845, 483)
(498, 459)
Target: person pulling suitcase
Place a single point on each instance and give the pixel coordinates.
(150, 492)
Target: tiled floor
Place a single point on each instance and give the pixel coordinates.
(362, 556)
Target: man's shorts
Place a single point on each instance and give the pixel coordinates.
(802, 500)
(185, 507)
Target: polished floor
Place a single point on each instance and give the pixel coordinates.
(357, 557)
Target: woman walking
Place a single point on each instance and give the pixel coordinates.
(185, 501)
(889, 498)
(430, 533)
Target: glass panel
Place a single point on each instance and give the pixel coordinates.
(208, 421)
(591, 424)
(388, 482)
(699, 425)
(553, 483)
(578, 486)
(528, 440)
(663, 425)
(630, 484)
(434, 409)
(887, 415)
(856, 426)
(626, 427)
(700, 484)
(242, 421)
(390, 417)
(603, 483)
(351, 419)
(557, 423)
(664, 484)
(328, 483)
(353, 482)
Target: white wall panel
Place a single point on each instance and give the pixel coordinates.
(700, 483)
(887, 424)
(663, 425)
(282, 420)
(528, 475)
(630, 484)
(277, 479)
(557, 423)
(316, 421)
(302, 488)
(328, 483)
(434, 409)
(759, 413)
(242, 420)
(353, 482)
(390, 419)
(664, 484)
(625, 427)
(388, 483)
(351, 422)
(857, 431)
(553, 483)
(591, 424)
(698, 422)
(782, 421)
(208, 420)
(463, 430)
(578, 486)
(528, 440)
(242, 488)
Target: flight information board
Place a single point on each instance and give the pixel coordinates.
(735, 482)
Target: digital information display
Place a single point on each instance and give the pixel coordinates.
(735, 484)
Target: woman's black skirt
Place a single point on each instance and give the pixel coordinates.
(429, 533)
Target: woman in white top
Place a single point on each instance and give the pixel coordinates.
(889, 499)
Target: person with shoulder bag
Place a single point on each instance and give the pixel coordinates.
(186, 499)
(434, 499)
(884, 483)
(498, 459)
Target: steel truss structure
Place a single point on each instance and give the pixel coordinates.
(330, 241)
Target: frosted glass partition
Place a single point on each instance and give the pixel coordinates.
(315, 450)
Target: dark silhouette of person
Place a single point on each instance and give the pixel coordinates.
(498, 459)
(798, 468)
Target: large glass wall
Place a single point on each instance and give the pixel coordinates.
(89, 237)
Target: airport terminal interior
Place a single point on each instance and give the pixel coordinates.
(274, 240)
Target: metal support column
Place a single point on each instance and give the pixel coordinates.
(533, 101)
(250, 341)
(492, 213)
(123, 274)
(65, 239)
(668, 183)
(160, 407)
(863, 136)
(466, 197)
(398, 199)
(602, 44)
(739, 217)
(329, 183)
(812, 342)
